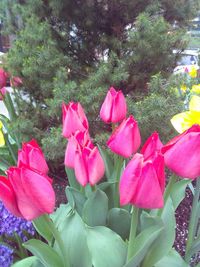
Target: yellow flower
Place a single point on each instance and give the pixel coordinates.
(193, 72)
(196, 89)
(183, 87)
(185, 120)
(2, 140)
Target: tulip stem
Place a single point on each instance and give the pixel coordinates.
(118, 168)
(192, 223)
(58, 239)
(133, 231)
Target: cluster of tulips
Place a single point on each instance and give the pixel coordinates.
(27, 190)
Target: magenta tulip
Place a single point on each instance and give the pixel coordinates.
(3, 91)
(32, 156)
(151, 146)
(79, 138)
(3, 78)
(114, 107)
(88, 165)
(182, 153)
(126, 139)
(16, 82)
(26, 193)
(74, 119)
(142, 182)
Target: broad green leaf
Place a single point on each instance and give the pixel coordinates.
(27, 262)
(142, 244)
(165, 241)
(119, 220)
(60, 214)
(178, 192)
(76, 199)
(107, 162)
(195, 247)
(108, 188)
(107, 249)
(72, 178)
(147, 220)
(42, 227)
(46, 254)
(74, 235)
(95, 209)
(173, 259)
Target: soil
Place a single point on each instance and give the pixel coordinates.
(182, 216)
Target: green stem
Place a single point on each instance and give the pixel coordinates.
(118, 167)
(192, 223)
(10, 107)
(133, 231)
(58, 239)
(12, 152)
(22, 251)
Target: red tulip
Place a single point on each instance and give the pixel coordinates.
(114, 107)
(74, 119)
(3, 78)
(126, 139)
(27, 193)
(16, 82)
(182, 153)
(142, 182)
(3, 91)
(79, 138)
(32, 156)
(151, 146)
(88, 165)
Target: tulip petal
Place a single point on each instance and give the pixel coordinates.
(106, 108)
(80, 168)
(129, 179)
(8, 197)
(148, 194)
(119, 109)
(151, 146)
(95, 166)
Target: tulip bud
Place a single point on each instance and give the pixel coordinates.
(126, 139)
(32, 156)
(88, 165)
(16, 82)
(151, 146)
(74, 119)
(114, 107)
(79, 138)
(182, 153)
(142, 183)
(3, 78)
(3, 91)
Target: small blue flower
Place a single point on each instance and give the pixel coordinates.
(6, 256)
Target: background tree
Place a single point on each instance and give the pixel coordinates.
(74, 50)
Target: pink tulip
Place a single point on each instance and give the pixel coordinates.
(3, 91)
(88, 165)
(3, 78)
(151, 146)
(32, 156)
(114, 107)
(16, 82)
(126, 139)
(182, 153)
(74, 119)
(27, 193)
(142, 182)
(79, 138)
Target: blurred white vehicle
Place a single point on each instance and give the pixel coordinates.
(189, 60)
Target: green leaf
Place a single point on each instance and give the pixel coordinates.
(107, 249)
(195, 247)
(95, 209)
(47, 255)
(74, 235)
(165, 241)
(60, 214)
(72, 178)
(119, 220)
(27, 262)
(76, 199)
(178, 192)
(173, 259)
(142, 244)
(42, 227)
(107, 162)
(109, 189)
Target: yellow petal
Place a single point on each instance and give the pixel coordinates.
(194, 104)
(183, 88)
(193, 72)
(185, 120)
(2, 140)
(196, 89)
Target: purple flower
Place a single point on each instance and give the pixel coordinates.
(6, 256)
(9, 225)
